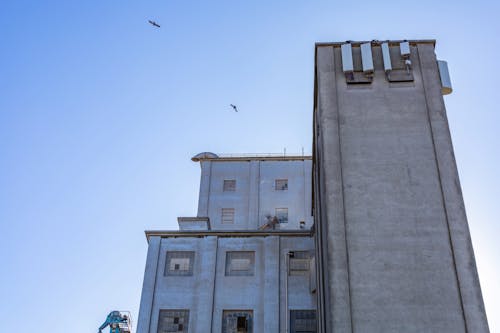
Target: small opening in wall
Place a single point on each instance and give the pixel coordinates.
(242, 324)
(176, 320)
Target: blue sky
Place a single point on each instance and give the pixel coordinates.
(100, 114)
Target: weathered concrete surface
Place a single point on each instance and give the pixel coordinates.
(149, 286)
(397, 255)
(193, 293)
(330, 235)
(255, 195)
(468, 280)
(208, 292)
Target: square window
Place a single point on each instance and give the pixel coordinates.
(173, 321)
(303, 321)
(227, 215)
(299, 263)
(282, 215)
(240, 263)
(179, 263)
(237, 321)
(281, 184)
(229, 185)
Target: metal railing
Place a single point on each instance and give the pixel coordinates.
(284, 154)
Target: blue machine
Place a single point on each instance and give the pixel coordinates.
(118, 322)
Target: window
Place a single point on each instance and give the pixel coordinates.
(237, 321)
(227, 215)
(240, 263)
(281, 184)
(229, 185)
(303, 321)
(299, 263)
(173, 321)
(282, 215)
(179, 263)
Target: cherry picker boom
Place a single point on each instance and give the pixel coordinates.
(118, 322)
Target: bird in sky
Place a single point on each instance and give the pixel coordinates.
(154, 23)
(234, 107)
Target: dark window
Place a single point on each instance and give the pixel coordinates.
(281, 184)
(242, 323)
(237, 321)
(229, 185)
(173, 321)
(282, 215)
(303, 321)
(179, 263)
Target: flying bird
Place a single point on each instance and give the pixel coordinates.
(234, 107)
(154, 23)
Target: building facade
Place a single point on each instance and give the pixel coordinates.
(245, 263)
(393, 247)
(388, 249)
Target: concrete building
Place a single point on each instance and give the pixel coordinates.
(245, 263)
(389, 248)
(394, 252)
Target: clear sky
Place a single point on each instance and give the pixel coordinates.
(100, 113)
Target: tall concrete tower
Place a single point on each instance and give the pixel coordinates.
(394, 252)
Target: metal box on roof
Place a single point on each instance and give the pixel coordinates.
(347, 64)
(386, 55)
(404, 47)
(366, 57)
(444, 74)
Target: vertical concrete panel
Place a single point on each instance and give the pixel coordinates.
(238, 199)
(337, 316)
(240, 292)
(271, 284)
(206, 167)
(308, 210)
(149, 286)
(292, 198)
(253, 195)
(296, 293)
(470, 291)
(204, 288)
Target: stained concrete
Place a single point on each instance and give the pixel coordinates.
(255, 195)
(394, 249)
(269, 292)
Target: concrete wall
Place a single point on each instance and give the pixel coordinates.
(394, 248)
(178, 292)
(209, 291)
(255, 195)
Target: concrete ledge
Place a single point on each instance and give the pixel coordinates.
(234, 233)
(194, 223)
(378, 42)
(242, 157)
